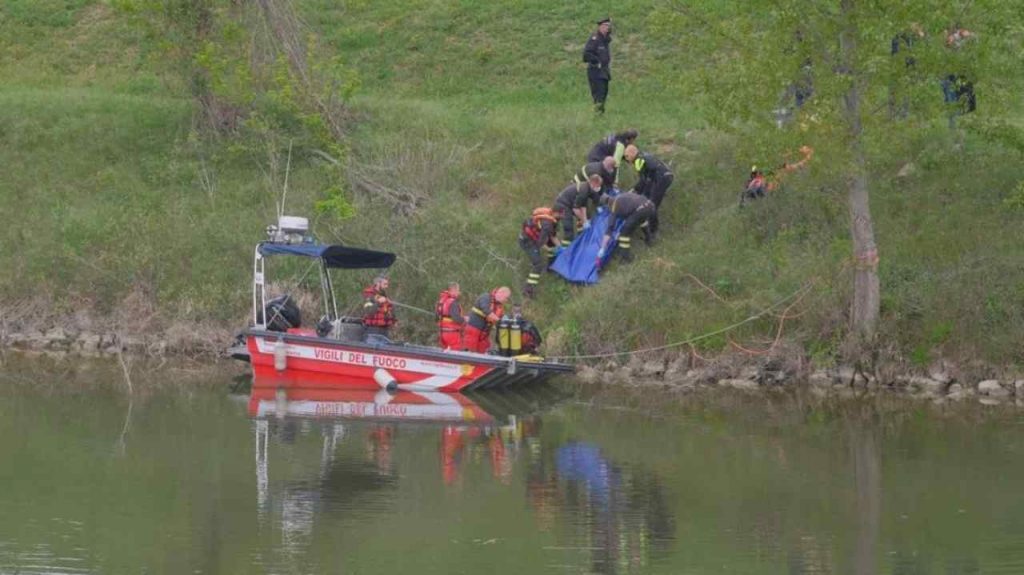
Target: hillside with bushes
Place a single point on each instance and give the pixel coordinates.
(146, 148)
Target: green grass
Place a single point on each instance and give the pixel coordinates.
(483, 110)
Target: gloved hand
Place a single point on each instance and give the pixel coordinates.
(600, 253)
(601, 209)
(586, 225)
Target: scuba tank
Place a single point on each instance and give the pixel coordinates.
(504, 335)
(515, 343)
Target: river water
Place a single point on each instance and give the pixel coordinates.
(181, 476)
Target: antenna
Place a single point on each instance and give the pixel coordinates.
(287, 170)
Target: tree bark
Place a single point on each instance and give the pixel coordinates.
(866, 297)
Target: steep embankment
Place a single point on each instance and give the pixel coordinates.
(469, 114)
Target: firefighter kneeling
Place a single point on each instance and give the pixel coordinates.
(635, 211)
(538, 233)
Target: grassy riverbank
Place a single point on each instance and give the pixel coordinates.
(115, 216)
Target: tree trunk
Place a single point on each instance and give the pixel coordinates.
(866, 297)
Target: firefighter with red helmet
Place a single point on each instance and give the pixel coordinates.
(486, 312)
(539, 234)
(378, 311)
(450, 321)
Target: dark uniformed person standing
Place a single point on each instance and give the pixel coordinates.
(572, 203)
(636, 211)
(598, 56)
(653, 176)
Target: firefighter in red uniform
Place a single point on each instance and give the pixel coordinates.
(538, 235)
(378, 311)
(756, 186)
(450, 320)
(486, 312)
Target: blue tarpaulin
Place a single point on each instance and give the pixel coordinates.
(578, 262)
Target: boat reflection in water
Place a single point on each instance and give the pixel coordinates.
(374, 448)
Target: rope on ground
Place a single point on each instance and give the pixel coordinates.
(796, 294)
(778, 333)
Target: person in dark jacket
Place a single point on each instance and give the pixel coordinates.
(653, 176)
(538, 239)
(598, 56)
(572, 204)
(486, 312)
(613, 145)
(605, 168)
(635, 211)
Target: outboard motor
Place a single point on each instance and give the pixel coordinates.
(282, 313)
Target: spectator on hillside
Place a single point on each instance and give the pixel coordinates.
(598, 56)
(957, 88)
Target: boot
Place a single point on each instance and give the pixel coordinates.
(627, 254)
(529, 291)
(650, 237)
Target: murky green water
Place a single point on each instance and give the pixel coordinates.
(186, 479)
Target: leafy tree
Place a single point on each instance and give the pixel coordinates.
(787, 73)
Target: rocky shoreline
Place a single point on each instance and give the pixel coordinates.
(941, 383)
(58, 340)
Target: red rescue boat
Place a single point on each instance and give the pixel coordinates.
(336, 355)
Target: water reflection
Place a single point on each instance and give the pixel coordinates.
(619, 515)
(605, 516)
(867, 477)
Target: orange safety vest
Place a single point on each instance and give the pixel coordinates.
(443, 312)
(532, 224)
(497, 309)
(384, 315)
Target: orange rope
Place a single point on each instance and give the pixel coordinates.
(707, 288)
(778, 333)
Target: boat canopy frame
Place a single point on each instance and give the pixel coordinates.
(329, 256)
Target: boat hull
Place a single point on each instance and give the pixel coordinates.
(330, 363)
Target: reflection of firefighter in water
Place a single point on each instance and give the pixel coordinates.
(623, 511)
(499, 444)
(452, 445)
(379, 442)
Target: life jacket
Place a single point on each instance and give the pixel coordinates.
(384, 313)
(532, 225)
(442, 311)
(756, 182)
(497, 309)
